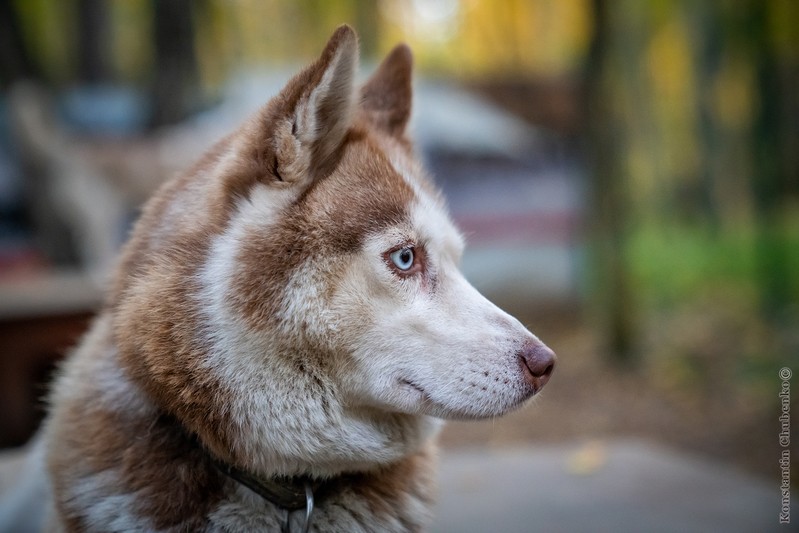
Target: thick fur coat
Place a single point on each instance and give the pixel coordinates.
(290, 306)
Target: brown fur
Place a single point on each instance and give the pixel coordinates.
(156, 391)
(360, 198)
(154, 318)
(386, 97)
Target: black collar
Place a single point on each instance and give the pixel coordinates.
(289, 493)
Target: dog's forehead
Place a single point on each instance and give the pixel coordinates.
(376, 185)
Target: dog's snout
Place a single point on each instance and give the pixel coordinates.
(537, 362)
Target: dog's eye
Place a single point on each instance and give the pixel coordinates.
(402, 258)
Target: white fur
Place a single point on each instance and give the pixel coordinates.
(105, 507)
(350, 373)
(245, 511)
(298, 427)
(469, 368)
(451, 353)
(97, 494)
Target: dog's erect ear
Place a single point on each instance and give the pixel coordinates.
(386, 97)
(318, 107)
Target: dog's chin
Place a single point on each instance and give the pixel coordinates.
(419, 401)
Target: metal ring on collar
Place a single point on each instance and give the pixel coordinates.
(308, 511)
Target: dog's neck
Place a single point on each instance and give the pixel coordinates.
(277, 435)
(299, 427)
(303, 492)
(361, 441)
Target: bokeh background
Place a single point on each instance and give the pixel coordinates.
(626, 173)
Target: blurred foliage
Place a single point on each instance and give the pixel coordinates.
(466, 37)
(678, 262)
(699, 187)
(691, 112)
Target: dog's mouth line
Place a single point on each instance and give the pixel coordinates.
(410, 384)
(426, 398)
(460, 413)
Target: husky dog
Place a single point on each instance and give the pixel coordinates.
(285, 330)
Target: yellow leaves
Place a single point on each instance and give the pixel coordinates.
(672, 98)
(484, 37)
(669, 62)
(733, 93)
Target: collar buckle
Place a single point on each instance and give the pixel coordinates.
(308, 511)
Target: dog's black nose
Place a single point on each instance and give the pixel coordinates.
(537, 362)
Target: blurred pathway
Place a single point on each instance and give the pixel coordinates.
(622, 486)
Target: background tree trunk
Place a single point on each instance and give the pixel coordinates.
(93, 42)
(608, 220)
(15, 58)
(175, 89)
(770, 184)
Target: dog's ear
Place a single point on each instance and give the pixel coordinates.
(316, 110)
(386, 97)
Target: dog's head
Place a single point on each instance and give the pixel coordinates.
(303, 280)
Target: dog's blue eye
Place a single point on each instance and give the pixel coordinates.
(402, 258)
